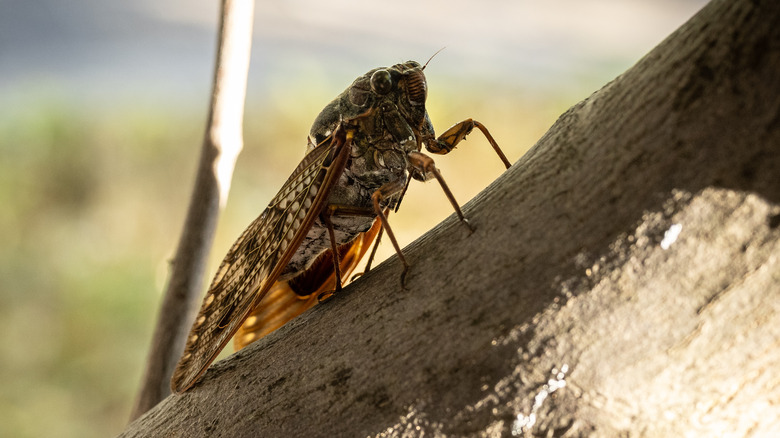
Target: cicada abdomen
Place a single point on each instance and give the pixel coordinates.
(288, 299)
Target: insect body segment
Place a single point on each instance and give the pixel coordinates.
(288, 299)
(364, 148)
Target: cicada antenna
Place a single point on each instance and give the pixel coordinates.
(429, 59)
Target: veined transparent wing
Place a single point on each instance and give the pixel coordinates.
(260, 255)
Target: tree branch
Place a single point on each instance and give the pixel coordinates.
(221, 145)
(622, 280)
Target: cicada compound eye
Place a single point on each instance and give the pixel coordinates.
(416, 87)
(381, 82)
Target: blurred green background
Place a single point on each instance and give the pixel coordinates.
(104, 105)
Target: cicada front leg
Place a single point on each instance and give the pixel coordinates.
(446, 142)
(426, 166)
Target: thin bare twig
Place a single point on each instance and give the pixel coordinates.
(221, 145)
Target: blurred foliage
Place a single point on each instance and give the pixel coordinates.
(93, 200)
(89, 208)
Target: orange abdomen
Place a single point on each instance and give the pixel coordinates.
(288, 299)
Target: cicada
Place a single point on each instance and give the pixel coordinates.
(363, 150)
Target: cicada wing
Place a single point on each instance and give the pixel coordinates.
(259, 256)
(288, 299)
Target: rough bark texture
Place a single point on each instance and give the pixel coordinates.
(623, 280)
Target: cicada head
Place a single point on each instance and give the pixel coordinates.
(405, 86)
(402, 85)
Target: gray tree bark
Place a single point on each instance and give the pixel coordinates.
(622, 280)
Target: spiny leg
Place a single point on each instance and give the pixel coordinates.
(325, 216)
(371, 256)
(348, 210)
(385, 191)
(373, 250)
(426, 166)
(446, 142)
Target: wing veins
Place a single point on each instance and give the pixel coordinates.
(238, 285)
